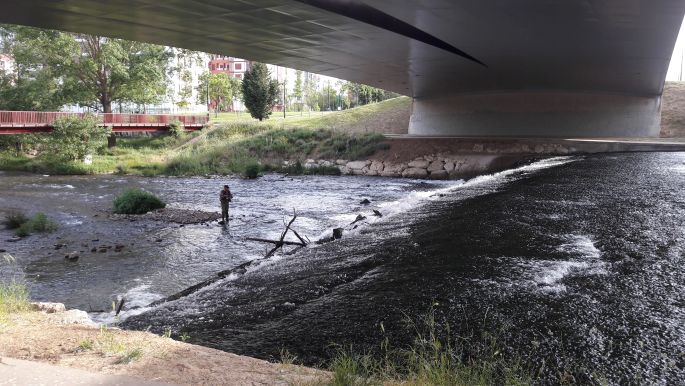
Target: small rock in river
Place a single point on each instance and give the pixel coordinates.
(158, 240)
(2, 250)
(73, 256)
(94, 249)
(377, 213)
(359, 218)
(118, 248)
(59, 246)
(365, 201)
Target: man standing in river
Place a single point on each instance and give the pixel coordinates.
(225, 197)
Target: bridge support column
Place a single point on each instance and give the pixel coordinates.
(538, 114)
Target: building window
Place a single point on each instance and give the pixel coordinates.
(238, 66)
(239, 76)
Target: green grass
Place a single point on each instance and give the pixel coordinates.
(234, 144)
(136, 201)
(233, 147)
(433, 359)
(14, 220)
(14, 297)
(23, 226)
(358, 119)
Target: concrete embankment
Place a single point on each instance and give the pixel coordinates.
(456, 158)
(69, 339)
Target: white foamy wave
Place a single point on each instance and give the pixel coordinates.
(549, 277)
(580, 245)
(137, 300)
(415, 198)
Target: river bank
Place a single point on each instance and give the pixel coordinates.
(64, 339)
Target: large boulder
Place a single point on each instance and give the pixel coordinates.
(415, 173)
(357, 165)
(435, 165)
(376, 166)
(390, 174)
(341, 162)
(394, 168)
(343, 169)
(419, 164)
(48, 308)
(449, 166)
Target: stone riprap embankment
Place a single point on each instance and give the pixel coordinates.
(434, 167)
(456, 158)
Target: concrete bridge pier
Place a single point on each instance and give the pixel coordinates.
(537, 114)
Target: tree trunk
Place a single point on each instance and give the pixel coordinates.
(107, 109)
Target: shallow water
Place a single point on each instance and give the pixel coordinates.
(576, 262)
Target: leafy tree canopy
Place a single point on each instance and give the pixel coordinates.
(74, 68)
(222, 89)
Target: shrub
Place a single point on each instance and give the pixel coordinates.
(14, 220)
(74, 137)
(176, 129)
(251, 170)
(38, 223)
(136, 201)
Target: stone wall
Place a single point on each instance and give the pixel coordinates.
(433, 167)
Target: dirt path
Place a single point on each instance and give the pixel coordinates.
(54, 339)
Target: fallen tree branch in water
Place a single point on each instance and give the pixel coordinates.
(278, 244)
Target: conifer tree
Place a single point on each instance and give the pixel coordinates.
(259, 91)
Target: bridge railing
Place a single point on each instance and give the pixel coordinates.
(115, 119)
(32, 117)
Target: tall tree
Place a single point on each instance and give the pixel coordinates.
(297, 90)
(259, 91)
(32, 85)
(87, 69)
(222, 89)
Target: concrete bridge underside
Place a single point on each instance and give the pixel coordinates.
(474, 68)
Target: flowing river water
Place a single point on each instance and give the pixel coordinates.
(575, 262)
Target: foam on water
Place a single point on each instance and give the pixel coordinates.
(137, 300)
(549, 274)
(416, 198)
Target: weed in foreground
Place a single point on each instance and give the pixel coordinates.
(14, 297)
(432, 359)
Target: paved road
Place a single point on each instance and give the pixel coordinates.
(26, 373)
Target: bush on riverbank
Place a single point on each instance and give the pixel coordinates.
(73, 137)
(136, 201)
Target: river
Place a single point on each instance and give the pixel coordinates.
(576, 262)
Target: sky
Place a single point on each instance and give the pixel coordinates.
(674, 72)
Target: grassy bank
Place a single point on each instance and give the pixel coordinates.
(236, 143)
(144, 155)
(234, 147)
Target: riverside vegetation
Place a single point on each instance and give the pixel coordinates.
(24, 226)
(233, 144)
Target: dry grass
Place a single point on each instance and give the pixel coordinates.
(41, 337)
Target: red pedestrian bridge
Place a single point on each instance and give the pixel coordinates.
(26, 122)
